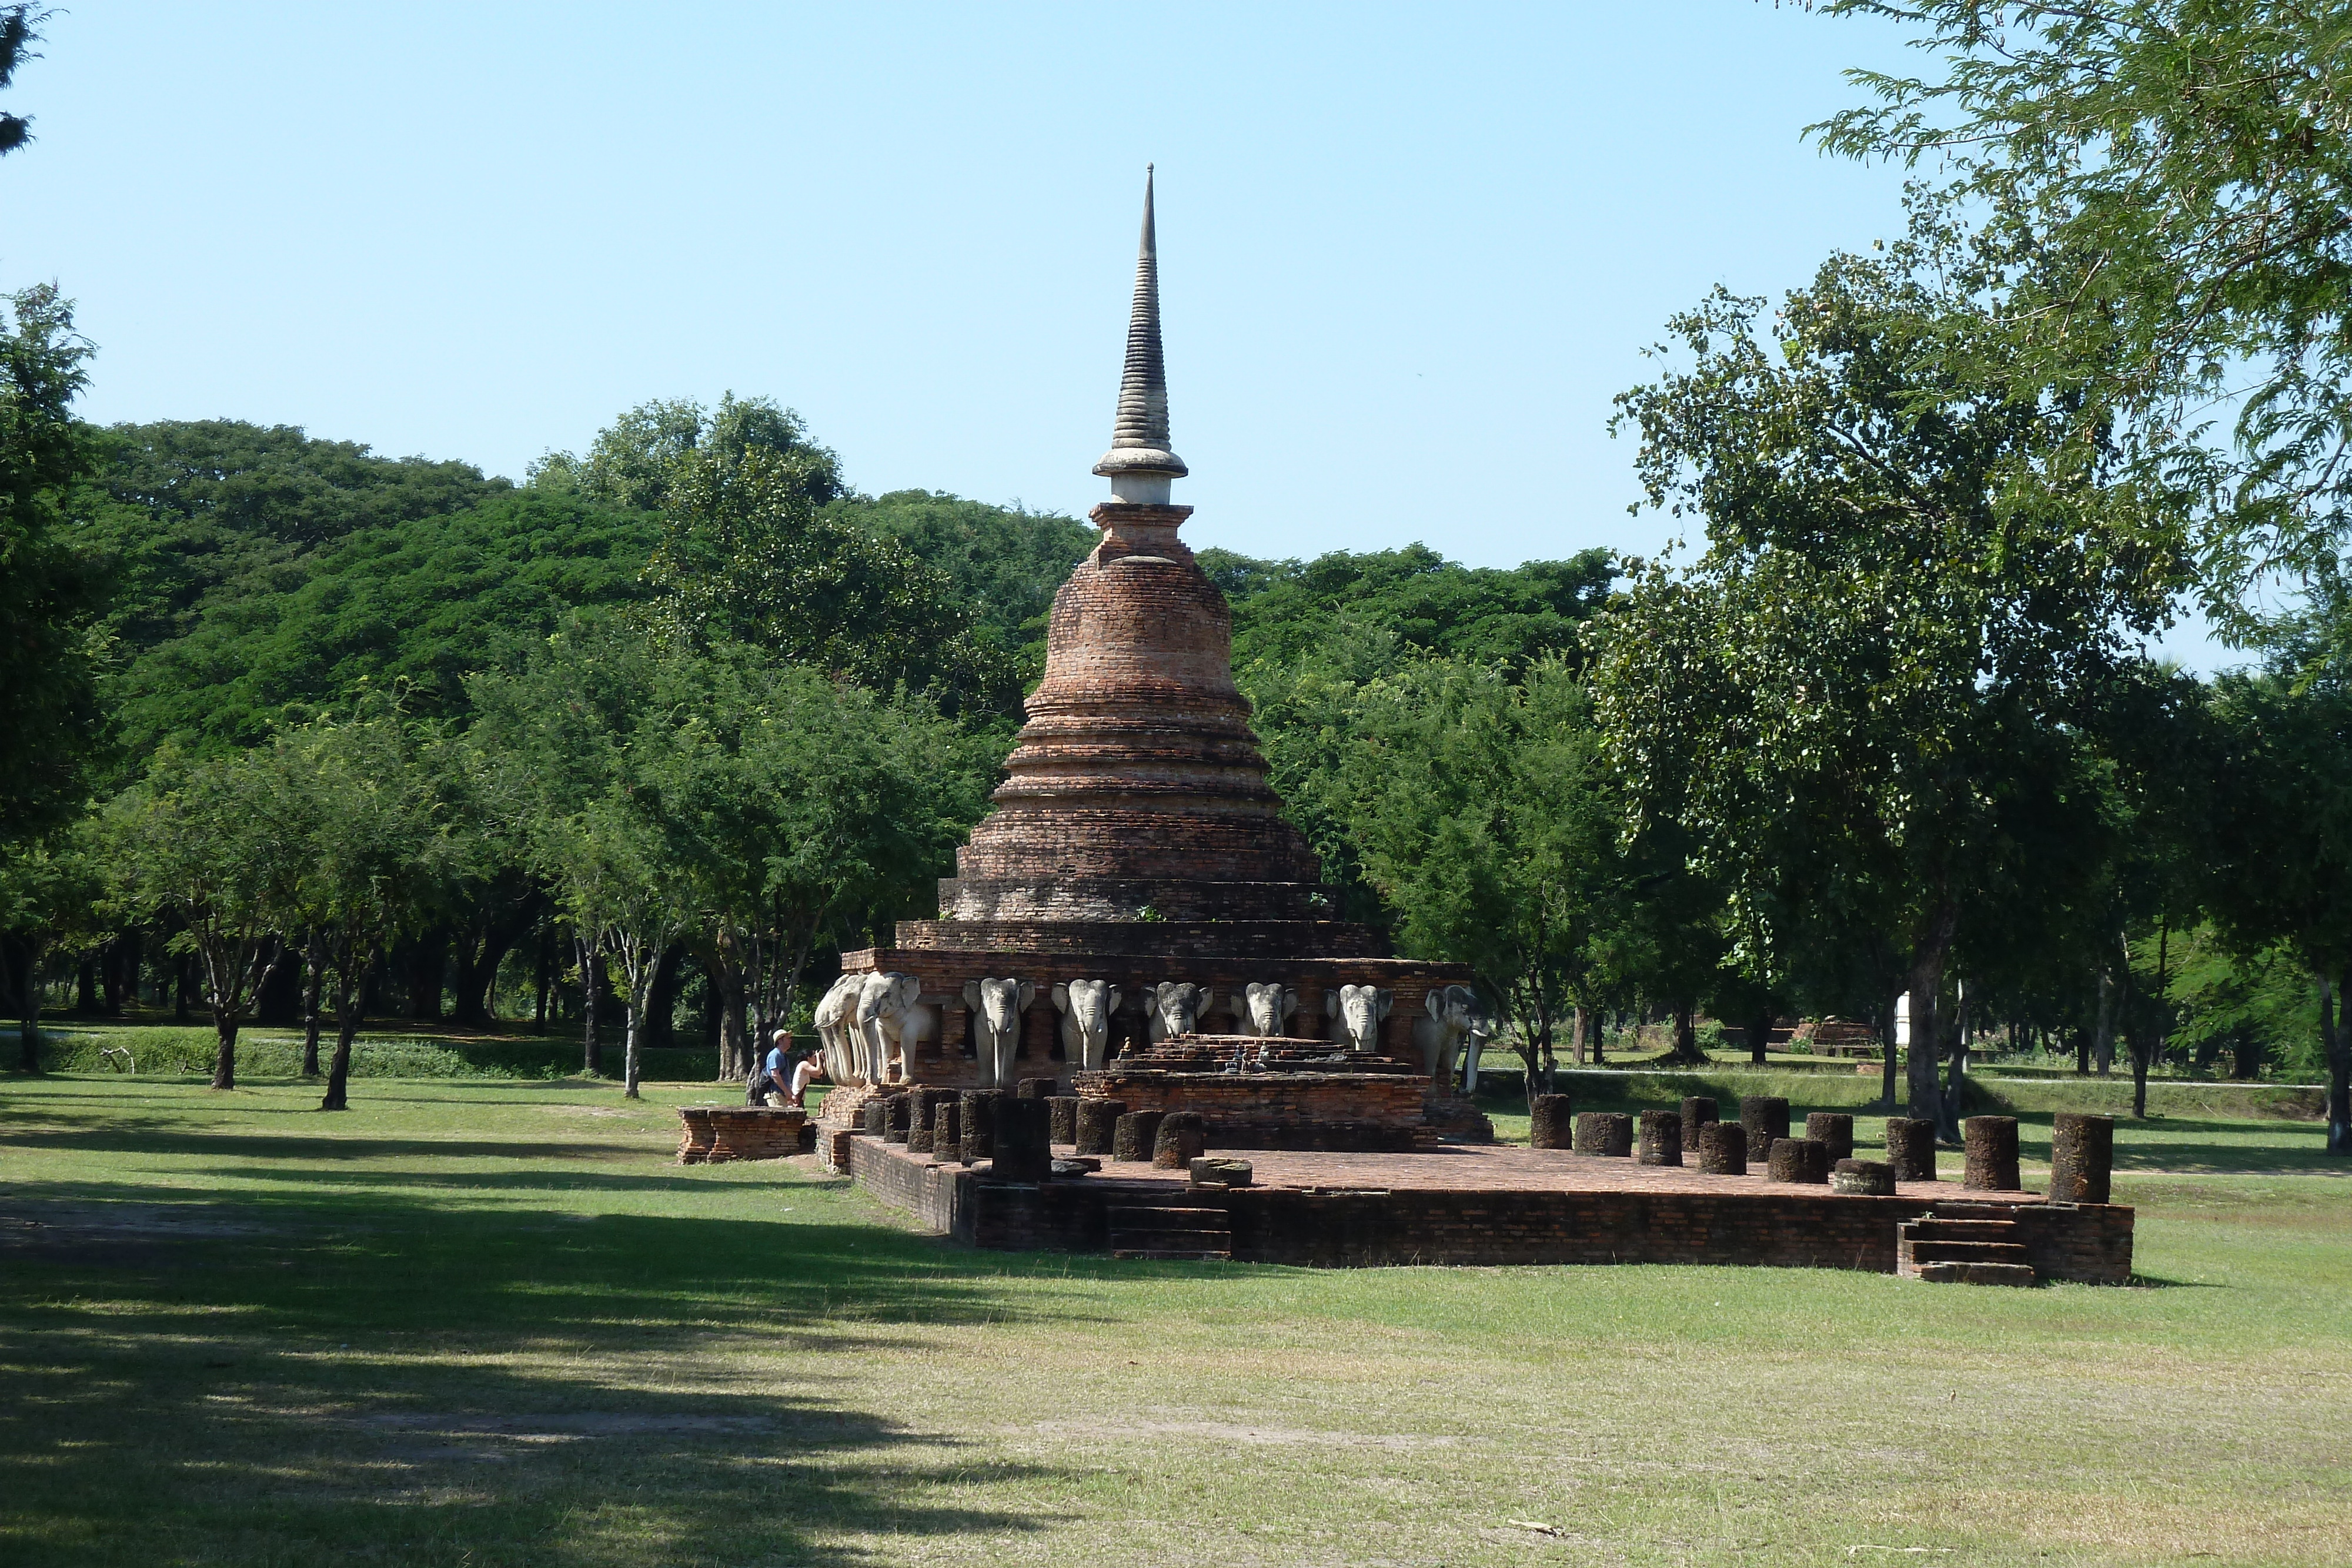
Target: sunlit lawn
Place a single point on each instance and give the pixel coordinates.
(481, 1324)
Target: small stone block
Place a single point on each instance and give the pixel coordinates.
(1723, 1148)
(1023, 1152)
(1037, 1088)
(976, 1120)
(1181, 1138)
(1862, 1178)
(1662, 1138)
(947, 1139)
(1609, 1132)
(1550, 1122)
(1216, 1170)
(1911, 1148)
(1990, 1146)
(874, 1115)
(1765, 1117)
(1800, 1160)
(1064, 1118)
(1097, 1118)
(1068, 1170)
(1133, 1136)
(2082, 1157)
(1833, 1130)
(897, 1111)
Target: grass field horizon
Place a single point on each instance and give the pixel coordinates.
(491, 1322)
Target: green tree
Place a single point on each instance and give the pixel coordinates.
(20, 27)
(374, 845)
(220, 844)
(1489, 822)
(51, 893)
(2179, 174)
(1875, 693)
(49, 593)
(2278, 870)
(635, 461)
(748, 556)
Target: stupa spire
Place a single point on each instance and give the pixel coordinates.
(1138, 464)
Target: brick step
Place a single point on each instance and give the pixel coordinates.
(1172, 1255)
(1940, 1251)
(1975, 1274)
(1170, 1217)
(1958, 1229)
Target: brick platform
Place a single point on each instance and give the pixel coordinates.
(712, 1134)
(1474, 1205)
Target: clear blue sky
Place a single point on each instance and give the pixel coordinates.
(1408, 253)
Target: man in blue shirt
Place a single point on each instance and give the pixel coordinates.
(774, 1074)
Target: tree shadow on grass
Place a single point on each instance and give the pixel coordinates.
(296, 1377)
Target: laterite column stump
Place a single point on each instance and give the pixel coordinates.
(1723, 1148)
(1609, 1132)
(2082, 1157)
(1662, 1138)
(1550, 1124)
(1990, 1144)
(1911, 1148)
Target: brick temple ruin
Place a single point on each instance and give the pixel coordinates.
(1136, 1027)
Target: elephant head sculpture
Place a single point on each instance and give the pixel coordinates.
(837, 1026)
(1270, 1006)
(1451, 1010)
(997, 1008)
(1086, 1007)
(1357, 1024)
(890, 1021)
(1176, 1007)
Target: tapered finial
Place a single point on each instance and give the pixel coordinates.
(1138, 464)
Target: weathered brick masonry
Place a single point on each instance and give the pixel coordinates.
(1490, 1207)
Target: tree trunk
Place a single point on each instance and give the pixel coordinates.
(224, 1059)
(1887, 1054)
(2103, 1033)
(85, 986)
(1580, 1032)
(1955, 1081)
(546, 976)
(591, 986)
(1760, 1036)
(1926, 978)
(28, 1014)
(351, 999)
(659, 1032)
(312, 961)
(2338, 1043)
(734, 1039)
(427, 966)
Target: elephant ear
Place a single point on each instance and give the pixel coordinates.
(971, 995)
(1382, 1002)
(1435, 1002)
(1110, 1001)
(1289, 1001)
(1061, 996)
(1027, 994)
(1208, 999)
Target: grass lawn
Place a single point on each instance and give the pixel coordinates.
(477, 1323)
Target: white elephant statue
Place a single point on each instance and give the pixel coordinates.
(891, 1022)
(1451, 1011)
(837, 1023)
(1086, 1007)
(997, 1008)
(1176, 1007)
(1474, 1046)
(1357, 1024)
(1270, 1006)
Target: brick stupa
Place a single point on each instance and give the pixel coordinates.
(1136, 838)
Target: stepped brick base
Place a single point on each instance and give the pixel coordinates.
(1471, 1205)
